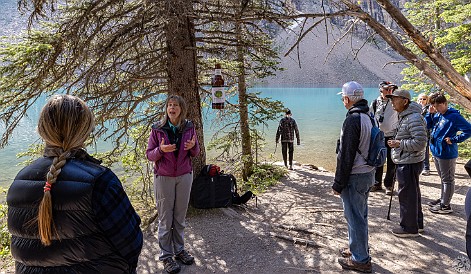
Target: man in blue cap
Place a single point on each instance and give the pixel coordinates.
(354, 177)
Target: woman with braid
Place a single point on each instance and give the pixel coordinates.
(66, 212)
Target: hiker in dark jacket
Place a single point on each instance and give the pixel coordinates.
(66, 212)
(445, 122)
(172, 142)
(286, 130)
(354, 178)
(408, 153)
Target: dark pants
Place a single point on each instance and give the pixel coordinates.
(468, 238)
(390, 169)
(412, 217)
(285, 146)
(427, 157)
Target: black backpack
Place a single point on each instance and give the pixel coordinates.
(216, 189)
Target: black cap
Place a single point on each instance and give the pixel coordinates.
(383, 84)
(288, 111)
(387, 84)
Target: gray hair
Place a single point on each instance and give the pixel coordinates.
(355, 98)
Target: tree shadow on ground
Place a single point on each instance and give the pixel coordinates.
(245, 239)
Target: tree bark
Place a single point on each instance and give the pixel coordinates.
(247, 158)
(181, 66)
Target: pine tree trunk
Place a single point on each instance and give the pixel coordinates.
(247, 158)
(181, 67)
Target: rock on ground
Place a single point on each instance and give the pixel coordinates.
(244, 239)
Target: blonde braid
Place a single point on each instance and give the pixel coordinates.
(64, 124)
(45, 221)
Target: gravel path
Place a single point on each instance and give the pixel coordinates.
(246, 239)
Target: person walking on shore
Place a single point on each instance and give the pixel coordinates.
(445, 122)
(386, 118)
(286, 130)
(354, 177)
(66, 212)
(408, 152)
(172, 143)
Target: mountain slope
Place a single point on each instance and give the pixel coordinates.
(319, 68)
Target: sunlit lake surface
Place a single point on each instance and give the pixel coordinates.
(318, 112)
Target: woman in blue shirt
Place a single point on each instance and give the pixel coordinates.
(445, 122)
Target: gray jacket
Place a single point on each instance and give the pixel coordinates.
(413, 136)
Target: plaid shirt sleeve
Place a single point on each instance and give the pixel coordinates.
(117, 218)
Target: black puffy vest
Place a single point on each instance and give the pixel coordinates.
(79, 245)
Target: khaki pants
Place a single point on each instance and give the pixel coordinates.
(172, 195)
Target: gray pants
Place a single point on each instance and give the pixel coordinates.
(446, 171)
(172, 195)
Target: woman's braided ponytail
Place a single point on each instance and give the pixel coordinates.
(64, 124)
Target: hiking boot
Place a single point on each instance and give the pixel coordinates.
(401, 233)
(171, 266)
(349, 264)
(345, 252)
(185, 257)
(421, 230)
(441, 209)
(376, 188)
(389, 190)
(434, 202)
(290, 167)
(426, 172)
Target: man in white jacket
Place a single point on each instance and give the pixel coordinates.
(386, 118)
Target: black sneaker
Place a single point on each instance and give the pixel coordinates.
(401, 233)
(434, 202)
(171, 266)
(375, 188)
(441, 209)
(185, 257)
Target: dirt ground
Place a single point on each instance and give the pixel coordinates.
(249, 239)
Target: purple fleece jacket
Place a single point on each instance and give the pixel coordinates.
(166, 164)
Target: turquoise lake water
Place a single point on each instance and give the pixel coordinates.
(318, 112)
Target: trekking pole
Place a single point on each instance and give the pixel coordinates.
(392, 193)
(390, 202)
(276, 145)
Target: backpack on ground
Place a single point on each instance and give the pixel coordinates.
(213, 188)
(377, 152)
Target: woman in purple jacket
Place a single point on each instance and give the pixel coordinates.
(171, 144)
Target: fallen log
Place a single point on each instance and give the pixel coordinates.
(296, 240)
